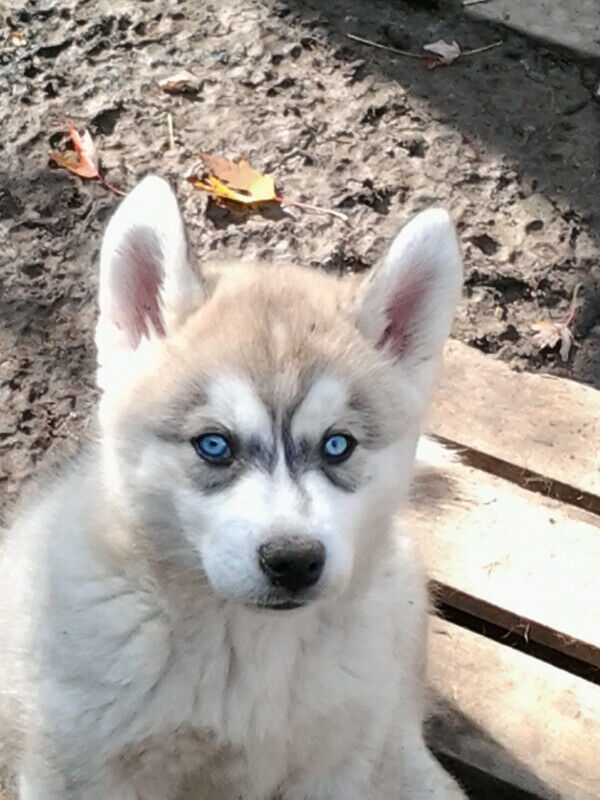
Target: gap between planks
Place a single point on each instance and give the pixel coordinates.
(518, 719)
(512, 630)
(525, 563)
(538, 431)
(526, 478)
(500, 546)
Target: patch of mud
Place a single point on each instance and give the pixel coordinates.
(505, 140)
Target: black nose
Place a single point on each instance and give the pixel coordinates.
(293, 563)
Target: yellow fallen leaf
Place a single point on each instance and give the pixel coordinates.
(230, 182)
(238, 182)
(219, 190)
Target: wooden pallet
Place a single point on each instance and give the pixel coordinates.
(511, 541)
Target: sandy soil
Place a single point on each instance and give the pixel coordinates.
(505, 139)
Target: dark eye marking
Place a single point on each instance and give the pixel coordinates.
(336, 447)
(214, 448)
(347, 483)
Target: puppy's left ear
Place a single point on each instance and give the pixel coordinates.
(147, 284)
(407, 304)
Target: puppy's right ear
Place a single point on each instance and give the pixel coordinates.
(406, 305)
(147, 286)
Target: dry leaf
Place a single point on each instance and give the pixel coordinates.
(239, 182)
(84, 162)
(446, 52)
(548, 334)
(228, 182)
(17, 38)
(180, 83)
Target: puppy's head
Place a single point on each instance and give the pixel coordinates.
(259, 422)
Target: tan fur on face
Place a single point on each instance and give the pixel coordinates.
(278, 327)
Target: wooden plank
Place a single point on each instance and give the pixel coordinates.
(526, 562)
(512, 716)
(548, 425)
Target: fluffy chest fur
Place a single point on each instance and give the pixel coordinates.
(258, 702)
(220, 695)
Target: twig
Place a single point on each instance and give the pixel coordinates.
(481, 49)
(421, 55)
(473, 2)
(385, 47)
(571, 313)
(286, 201)
(111, 188)
(170, 132)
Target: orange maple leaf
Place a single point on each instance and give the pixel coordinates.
(85, 161)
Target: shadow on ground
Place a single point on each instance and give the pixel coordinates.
(539, 113)
(519, 99)
(473, 743)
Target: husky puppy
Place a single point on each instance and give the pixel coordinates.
(214, 603)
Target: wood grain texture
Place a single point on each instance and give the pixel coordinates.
(512, 716)
(535, 559)
(548, 425)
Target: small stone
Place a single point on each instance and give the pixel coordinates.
(538, 207)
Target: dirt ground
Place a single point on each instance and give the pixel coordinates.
(506, 140)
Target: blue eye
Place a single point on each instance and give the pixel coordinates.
(337, 447)
(213, 447)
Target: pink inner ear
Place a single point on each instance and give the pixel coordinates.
(136, 282)
(403, 316)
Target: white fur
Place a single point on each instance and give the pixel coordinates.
(236, 403)
(425, 253)
(148, 220)
(131, 667)
(324, 405)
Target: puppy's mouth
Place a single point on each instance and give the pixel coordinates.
(284, 605)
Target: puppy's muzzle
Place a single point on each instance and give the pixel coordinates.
(292, 563)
